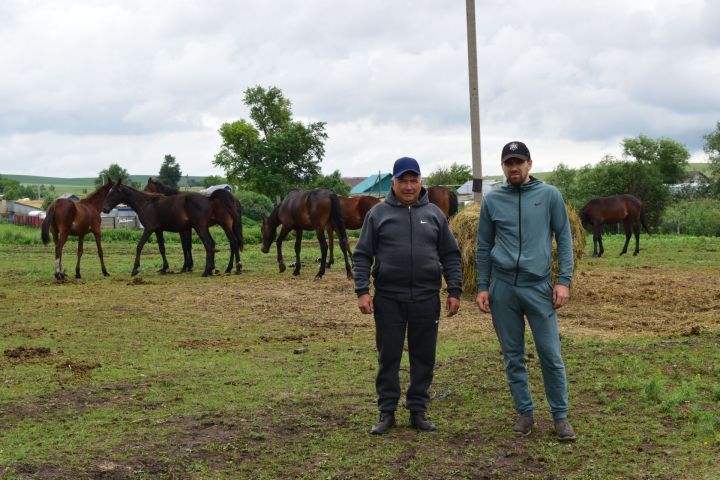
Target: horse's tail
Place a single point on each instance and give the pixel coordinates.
(336, 216)
(642, 218)
(453, 208)
(233, 207)
(45, 229)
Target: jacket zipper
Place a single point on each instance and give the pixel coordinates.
(517, 264)
(412, 266)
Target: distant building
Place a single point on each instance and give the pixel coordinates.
(352, 181)
(70, 196)
(222, 186)
(377, 185)
(465, 192)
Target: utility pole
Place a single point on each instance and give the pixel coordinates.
(474, 102)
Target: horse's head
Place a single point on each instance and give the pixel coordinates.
(151, 186)
(268, 234)
(114, 196)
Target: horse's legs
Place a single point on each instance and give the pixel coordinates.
(98, 242)
(234, 249)
(81, 241)
(138, 250)
(637, 239)
(59, 244)
(186, 241)
(209, 244)
(281, 237)
(346, 251)
(161, 246)
(320, 232)
(628, 234)
(331, 256)
(595, 241)
(298, 245)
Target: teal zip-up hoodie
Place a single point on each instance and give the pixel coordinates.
(514, 239)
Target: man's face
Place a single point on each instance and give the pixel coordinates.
(407, 188)
(517, 170)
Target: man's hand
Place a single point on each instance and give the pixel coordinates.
(483, 301)
(365, 303)
(452, 306)
(561, 296)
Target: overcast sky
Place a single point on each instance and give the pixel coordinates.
(90, 83)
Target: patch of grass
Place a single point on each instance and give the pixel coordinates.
(179, 376)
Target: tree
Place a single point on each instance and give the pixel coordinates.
(114, 172)
(332, 182)
(13, 190)
(274, 153)
(565, 179)
(211, 180)
(457, 174)
(667, 155)
(170, 173)
(712, 148)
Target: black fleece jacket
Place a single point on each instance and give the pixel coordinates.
(406, 247)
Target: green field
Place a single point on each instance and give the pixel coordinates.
(266, 375)
(79, 186)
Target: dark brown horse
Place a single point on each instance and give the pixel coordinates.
(231, 223)
(158, 214)
(625, 209)
(445, 199)
(65, 217)
(354, 210)
(306, 210)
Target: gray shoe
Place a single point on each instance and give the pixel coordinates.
(419, 421)
(387, 421)
(524, 424)
(564, 430)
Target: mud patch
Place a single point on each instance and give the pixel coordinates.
(78, 368)
(140, 281)
(25, 353)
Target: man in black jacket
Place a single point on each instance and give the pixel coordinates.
(407, 243)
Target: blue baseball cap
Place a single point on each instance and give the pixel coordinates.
(404, 165)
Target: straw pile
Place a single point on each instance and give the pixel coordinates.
(464, 226)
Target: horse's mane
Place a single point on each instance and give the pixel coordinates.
(165, 189)
(92, 195)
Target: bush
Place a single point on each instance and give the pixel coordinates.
(255, 205)
(692, 217)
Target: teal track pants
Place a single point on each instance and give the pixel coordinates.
(510, 305)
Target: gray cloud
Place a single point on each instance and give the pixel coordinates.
(91, 82)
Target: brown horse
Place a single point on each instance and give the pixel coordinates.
(158, 214)
(445, 199)
(65, 217)
(229, 222)
(306, 210)
(610, 210)
(354, 210)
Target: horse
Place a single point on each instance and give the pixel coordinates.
(66, 217)
(627, 209)
(306, 210)
(445, 199)
(354, 210)
(230, 223)
(158, 213)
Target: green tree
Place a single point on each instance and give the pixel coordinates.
(211, 180)
(48, 200)
(114, 172)
(565, 179)
(274, 153)
(712, 148)
(456, 174)
(333, 182)
(13, 190)
(667, 155)
(170, 173)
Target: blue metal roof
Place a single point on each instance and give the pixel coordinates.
(378, 184)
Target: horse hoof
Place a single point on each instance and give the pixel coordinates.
(318, 276)
(282, 267)
(296, 273)
(77, 275)
(133, 273)
(106, 274)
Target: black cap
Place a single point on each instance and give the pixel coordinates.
(404, 165)
(515, 150)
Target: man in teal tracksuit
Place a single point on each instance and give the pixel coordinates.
(514, 254)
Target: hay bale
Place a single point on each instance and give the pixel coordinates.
(464, 226)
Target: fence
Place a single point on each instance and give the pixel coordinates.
(34, 221)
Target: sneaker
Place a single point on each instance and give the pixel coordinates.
(564, 430)
(387, 421)
(419, 422)
(523, 424)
